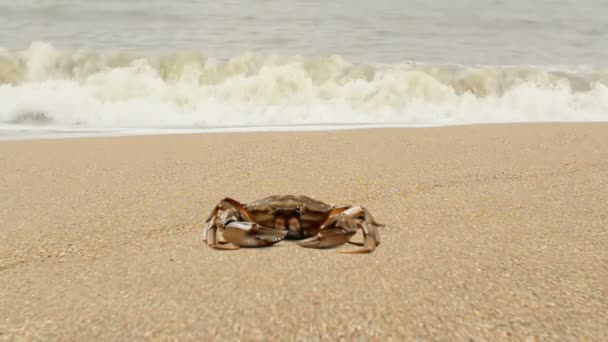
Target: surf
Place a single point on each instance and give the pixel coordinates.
(45, 86)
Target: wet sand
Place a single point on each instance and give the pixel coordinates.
(493, 233)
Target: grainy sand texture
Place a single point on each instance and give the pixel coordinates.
(493, 233)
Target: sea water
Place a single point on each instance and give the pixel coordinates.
(82, 68)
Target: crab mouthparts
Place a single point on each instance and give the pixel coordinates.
(279, 223)
(287, 223)
(294, 224)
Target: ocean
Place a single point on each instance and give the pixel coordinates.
(84, 68)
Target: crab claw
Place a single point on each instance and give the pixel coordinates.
(270, 235)
(335, 237)
(327, 238)
(341, 226)
(248, 234)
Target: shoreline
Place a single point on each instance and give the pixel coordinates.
(494, 231)
(39, 133)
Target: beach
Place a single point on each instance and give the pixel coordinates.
(493, 232)
(476, 130)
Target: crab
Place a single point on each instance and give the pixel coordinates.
(272, 219)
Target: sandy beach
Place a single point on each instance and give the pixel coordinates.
(494, 232)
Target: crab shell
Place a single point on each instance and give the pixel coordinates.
(301, 216)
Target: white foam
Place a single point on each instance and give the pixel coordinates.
(86, 91)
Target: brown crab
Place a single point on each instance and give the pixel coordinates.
(267, 221)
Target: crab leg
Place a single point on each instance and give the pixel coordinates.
(210, 232)
(370, 240)
(237, 227)
(341, 225)
(210, 237)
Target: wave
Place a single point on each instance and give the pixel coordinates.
(45, 85)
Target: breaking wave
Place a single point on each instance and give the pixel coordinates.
(44, 85)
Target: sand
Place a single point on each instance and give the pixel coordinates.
(494, 232)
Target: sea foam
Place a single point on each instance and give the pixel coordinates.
(84, 89)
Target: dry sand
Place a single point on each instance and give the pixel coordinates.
(493, 233)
